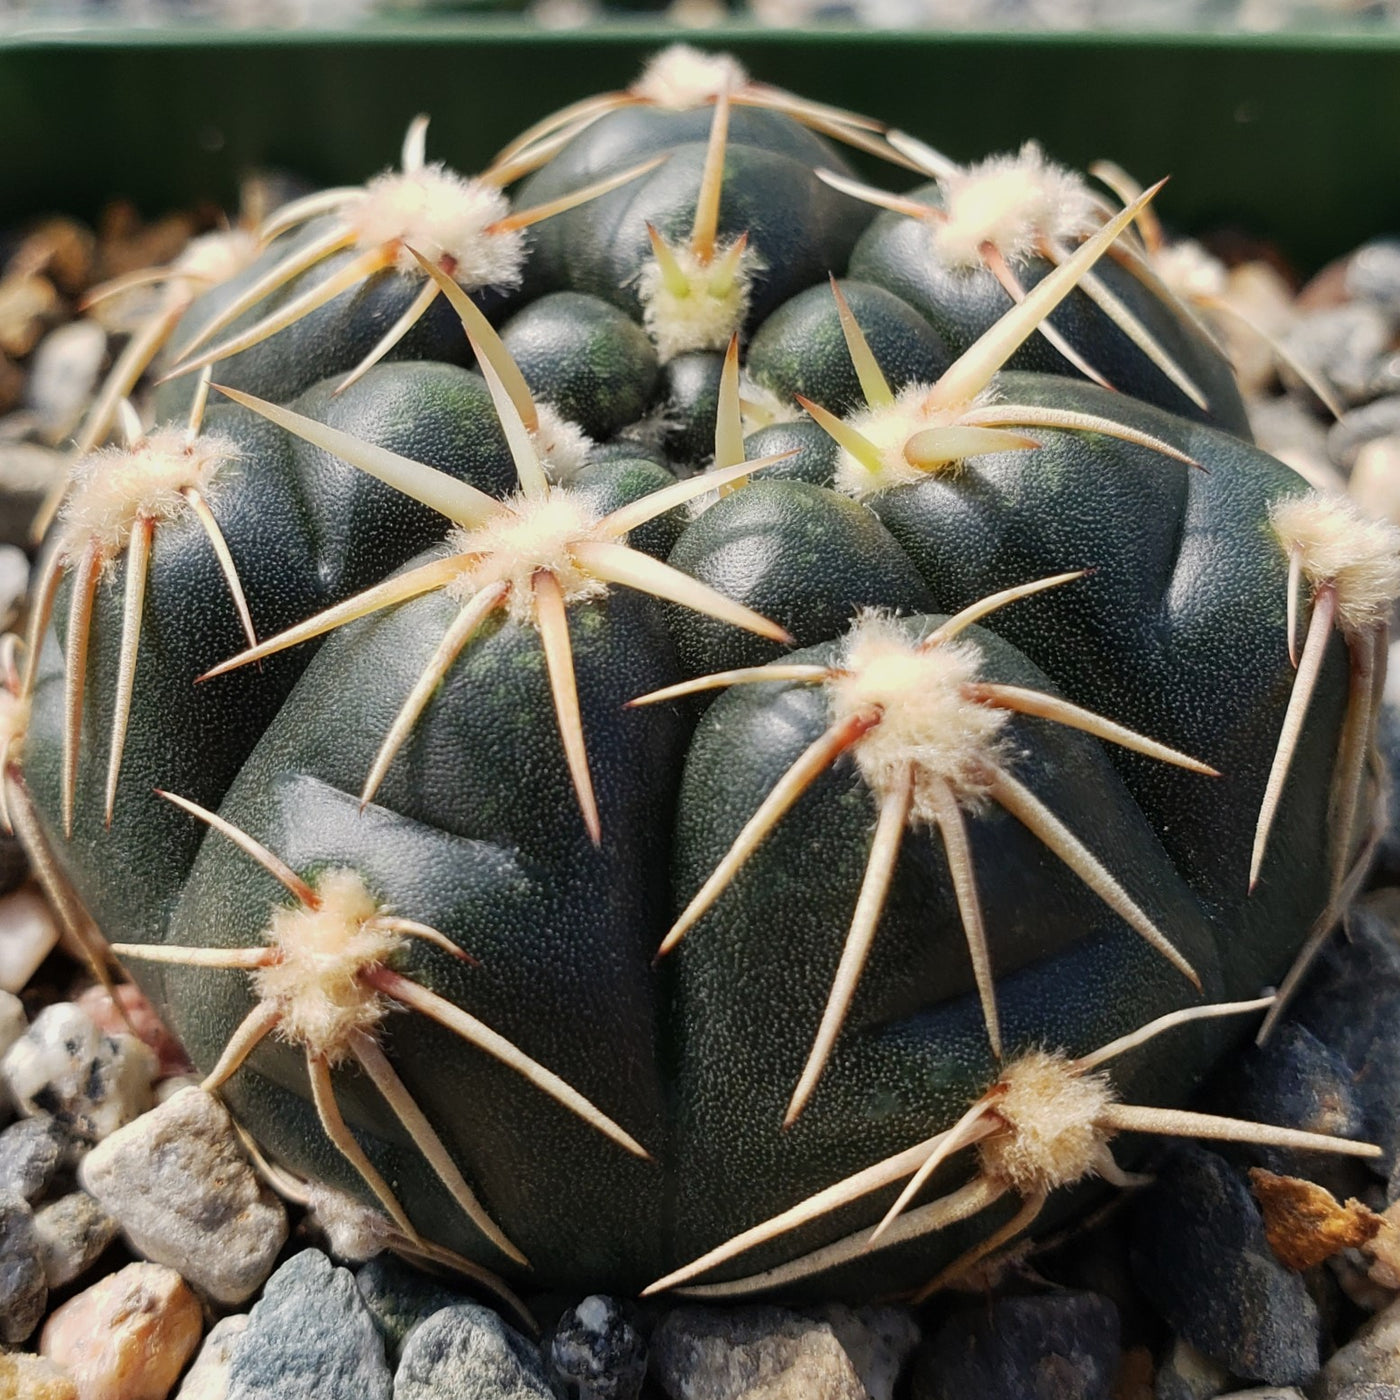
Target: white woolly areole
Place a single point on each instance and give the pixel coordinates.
(531, 535)
(682, 77)
(712, 306)
(447, 218)
(115, 487)
(760, 407)
(315, 984)
(889, 428)
(1340, 545)
(1015, 203)
(213, 258)
(563, 446)
(926, 719)
(1191, 272)
(1051, 1112)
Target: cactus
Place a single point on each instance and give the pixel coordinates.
(368, 712)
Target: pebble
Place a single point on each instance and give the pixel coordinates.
(1295, 1081)
(310, 1334)
(72, 1234)
(27, 470)
(63, 1065)
(1346, 345)
(400, 1296)
(23, 1292)
(1063, 1346)
(14, 580)
(1200, 1255)
(1346, 438)
(32, 1153)
(1351, 1002)
(127, 1337)
(24, 1376)
(28, 934)
(1187, 1375)
(62, 375)
(130, 1012)
(1373, 274)
(1372, 1357)
(597, 1351)
(181, 1185)
(1375, 479)
(878, 1340)
(697, 1354)
(467, 1352)
(207, 1379)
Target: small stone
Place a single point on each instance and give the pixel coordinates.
(1372, 1357)
(23, 1291)
(27, 302)
(1375, 479)
(64, 1066)
(1187, 1375)
(1200, 1256)
(132, 1011)
(14, 580)
(759, 1353)
(1346, 438)
(400, 1297)
(1373, 274)
(1351, 1002)
(28, 934)
(309, 1334)
(1063, 1346)
(207, 1379)
(1266, 1392)
(62, 375)
(879, 1342)
(1369, 1391)
(180, 1184)
(32, 1153)
(72, 1234)
(24, 1376)
(596, 1351)
(1345, 345)
(1295, 1081)
(27, 470)
(127, 1337)
(466, 1352)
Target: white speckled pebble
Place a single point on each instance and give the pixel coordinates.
(64, 1066)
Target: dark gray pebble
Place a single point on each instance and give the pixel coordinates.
(597, 1352)
(1294, 1081)
(1360, 426)
(1351, 1002)
(310, 1334)
(466, 1352)
(399, 1297)
(1062, 1346)
(1200, 1256)
(1373, 274)
(32, 1153)
(24, 1293)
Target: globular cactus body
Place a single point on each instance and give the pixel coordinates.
(1011, 759)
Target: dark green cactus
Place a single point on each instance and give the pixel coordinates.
(475, 902)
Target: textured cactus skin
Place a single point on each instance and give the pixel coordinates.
(1178, 631)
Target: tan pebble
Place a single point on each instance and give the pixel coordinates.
(24, 1376)
(26, 304)
(133, 1014)
(128, 1337)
